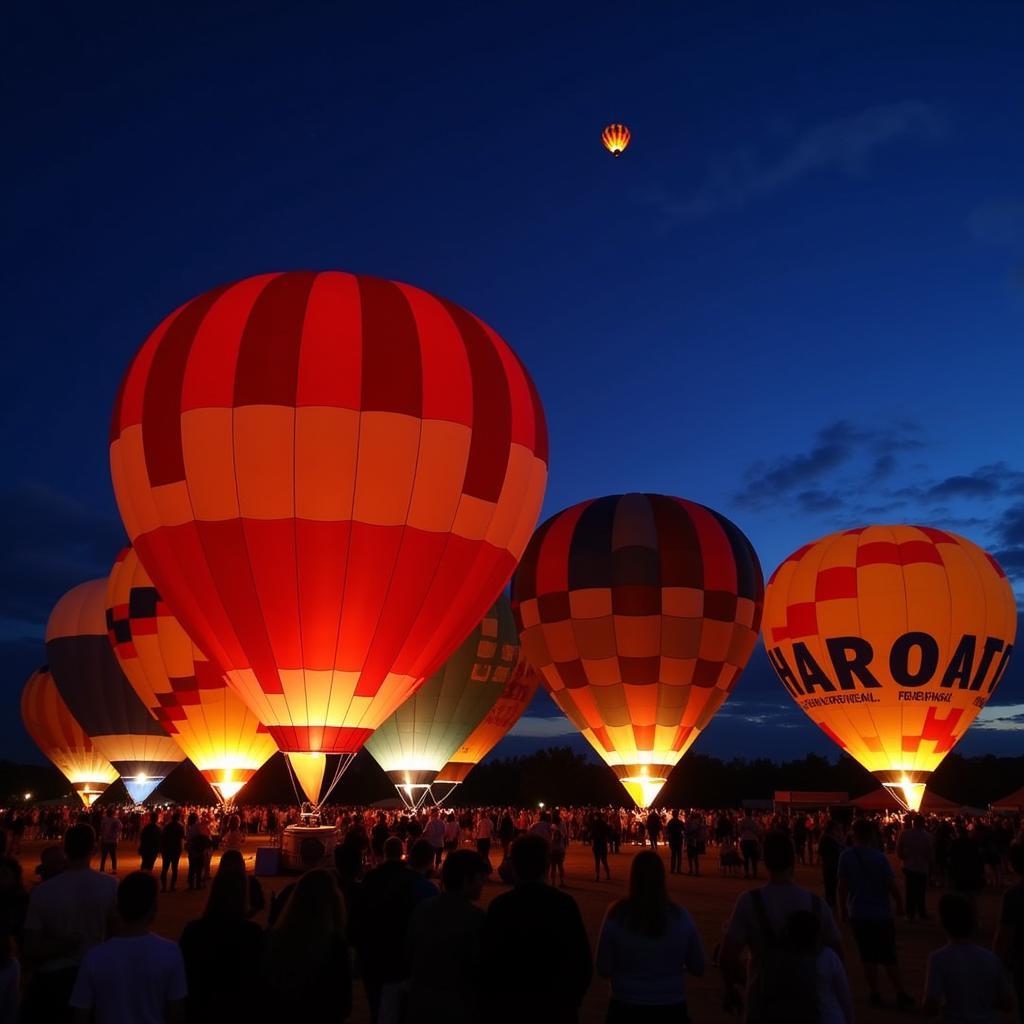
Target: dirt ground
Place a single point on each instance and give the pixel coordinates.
(709, 899)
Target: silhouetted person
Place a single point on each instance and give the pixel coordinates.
(965, 981)
(756, 927)
(149, 842)
(647, 946)
(830, 848)
(67, 916)
(136, 976)
(222, 952)
(172, 840)
(535, 949)
(599, 836)
(306, 969)
(867, 894)
(1009, 938)
(674, 835)
(914, 849)
(380, 922)
(444, 946)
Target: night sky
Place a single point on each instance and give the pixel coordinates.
(797, 298)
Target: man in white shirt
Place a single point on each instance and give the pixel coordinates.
(136, 977)
(433, 832)
(67, 916)
(484, 829)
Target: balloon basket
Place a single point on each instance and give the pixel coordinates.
(301, 844)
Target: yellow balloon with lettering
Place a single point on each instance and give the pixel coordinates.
(891, 639)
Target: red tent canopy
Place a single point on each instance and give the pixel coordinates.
(1013, 802)
(882, 800)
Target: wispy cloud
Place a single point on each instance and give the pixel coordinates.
(542, 728)
(845, 145)
(998, 222)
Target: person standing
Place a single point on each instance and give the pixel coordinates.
(867, 894)
(483, 832)
(534, 946)
(1008, 943)
(756, 927)
(696, 837)
(67, 916)
(599, 846)
(444, 946)
(829, 850)
(653, 827)
(674, 835)
(149, 842)
(172, 839)
(557, 843)
(914, 849)
(434, 834)
(965, 981)
(750, 845)
(110, 836)
(646, 947)
(136, 976)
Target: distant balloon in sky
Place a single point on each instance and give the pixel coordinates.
(419, 738)
(99, 696)
(891, 639)
(183, 690)
(615, 139)
(514, 700)
(329, 479)
(640, 611)
(56, 733)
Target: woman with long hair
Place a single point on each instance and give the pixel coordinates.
(307, 969)
(222, 951)
(647, 946)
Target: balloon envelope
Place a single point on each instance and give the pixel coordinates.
(514, 700)
(329, 479)
(56, 733)
(421, 736)
(182, 689)
(99, 696)
(640, 611)
(891, 639)
(615, 138)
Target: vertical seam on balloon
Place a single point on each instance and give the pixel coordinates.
(949, 607)
(295, 523)
(906, 628)
(860, 632)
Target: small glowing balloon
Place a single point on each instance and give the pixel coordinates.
(615, 139)
(50, 723)
(891, 639)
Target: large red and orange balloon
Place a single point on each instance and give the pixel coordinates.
(182, 689)
(99, 696)
(507, 710)
(329, 479)
(56, 733)
(640, 611)
(891, 639)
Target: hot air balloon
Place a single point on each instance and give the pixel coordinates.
(96, 692)
(413, 743)
(640, 611)
(329, 479)
(891, 639)
(56, 733)
(615, 138)
(183, 691)
(515, 698)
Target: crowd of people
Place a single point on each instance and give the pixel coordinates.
(395, 908)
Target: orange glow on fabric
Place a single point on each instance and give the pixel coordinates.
(615, 138)
(891, 639)
(329, 479)
(640, 611)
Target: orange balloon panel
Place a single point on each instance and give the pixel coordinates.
(891, 639)
(56, 733)
(640, 611)
(182, 689)
(514, 700)
(329, 479)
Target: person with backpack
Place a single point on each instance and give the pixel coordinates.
(755, 932)
(867, 894)
(647, 946)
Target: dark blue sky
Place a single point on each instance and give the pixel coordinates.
(798, 298)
